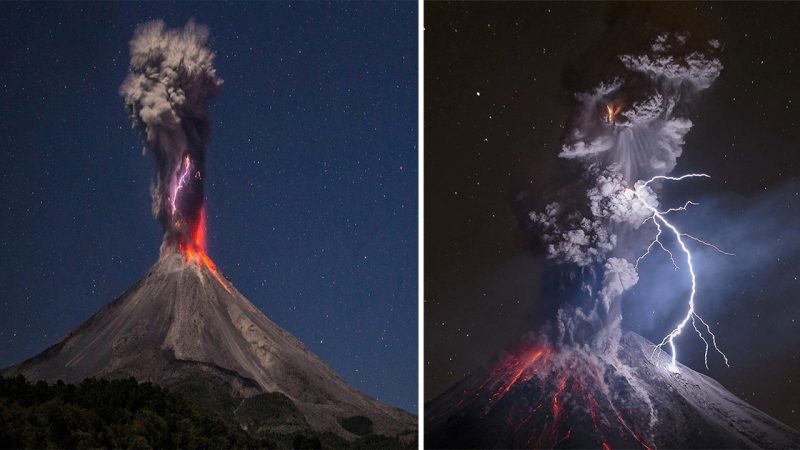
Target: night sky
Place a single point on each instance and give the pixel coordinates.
(311, 174)
(496, 104)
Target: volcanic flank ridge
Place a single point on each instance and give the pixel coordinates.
(186, 327)
(543, 396)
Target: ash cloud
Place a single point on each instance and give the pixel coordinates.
(653, 88)
(170, 83)
(572, 238)
(627, 126)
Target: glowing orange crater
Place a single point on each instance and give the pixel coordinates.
(194, 251)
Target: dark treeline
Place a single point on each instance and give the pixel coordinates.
(123, 413)
(107, 414)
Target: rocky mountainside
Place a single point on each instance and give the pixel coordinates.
(185, 327)
(541, 396)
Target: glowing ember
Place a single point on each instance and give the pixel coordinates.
(612, 111)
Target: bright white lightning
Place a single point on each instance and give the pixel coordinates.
(659, 219)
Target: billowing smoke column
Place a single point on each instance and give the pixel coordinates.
(579, 383)
(172, 79)
(627, 133)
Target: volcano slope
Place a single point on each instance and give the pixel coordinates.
(185, 327)
(541, 396)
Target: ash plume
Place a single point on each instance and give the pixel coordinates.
(170, 83)
(629, 125)
(642, 107)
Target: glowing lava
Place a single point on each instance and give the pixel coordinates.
(658, 217)
(192, 242)
(528, 362)
(572, 382)
(194, 250)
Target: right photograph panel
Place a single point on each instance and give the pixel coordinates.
(611, 215)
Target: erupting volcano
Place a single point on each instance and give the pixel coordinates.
(581, 381)
(184, 325)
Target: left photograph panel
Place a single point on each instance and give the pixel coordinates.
(209, 227)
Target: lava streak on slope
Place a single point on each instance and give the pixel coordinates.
(518, 367)
(193, 249)
(541, 395)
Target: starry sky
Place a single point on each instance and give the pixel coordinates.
(311, 174)
(496, 104)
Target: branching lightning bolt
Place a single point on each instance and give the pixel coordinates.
(659, 219)
(682, 208)
(657, 240)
